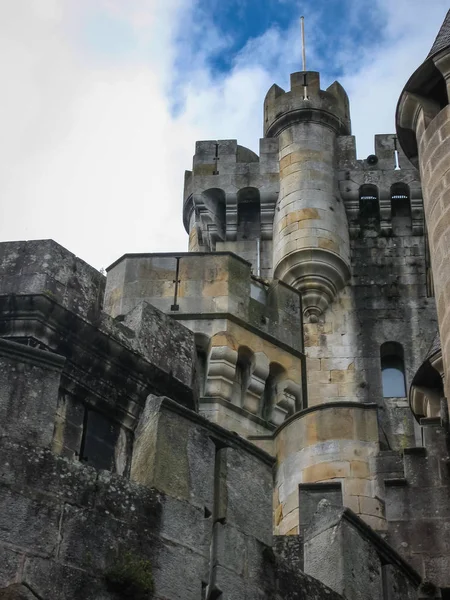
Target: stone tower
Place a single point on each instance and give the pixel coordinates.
(311, 248)
(423, 126)
(274, 395)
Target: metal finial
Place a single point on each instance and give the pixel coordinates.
(302, 21)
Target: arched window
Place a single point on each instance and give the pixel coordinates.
(400, 202)
(249, 214)
(392, 370)
(369, 207)
(214, 203)
(401, 209)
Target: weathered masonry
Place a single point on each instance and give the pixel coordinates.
(264, 416)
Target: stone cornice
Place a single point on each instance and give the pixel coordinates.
(307, 114)
(30, 355)
(103, 351)
(218, 433)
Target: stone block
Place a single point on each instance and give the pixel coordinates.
(29, 386)
(250, 512)
(337, 555)
(231, 548)
(10, 562)
(17, 591)
(45, 267)
(396, 586)
(29, 522)
(168, 448)
(53, 581)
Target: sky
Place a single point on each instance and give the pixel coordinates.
(103, 100)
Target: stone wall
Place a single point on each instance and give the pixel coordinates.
(417, 487)
(195, 515)
(434, 156)
(330, 443)
(248, 332)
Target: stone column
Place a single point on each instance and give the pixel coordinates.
(311, 242)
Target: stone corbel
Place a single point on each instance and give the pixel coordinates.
(221, 372)
(285, 401)
(255, 390)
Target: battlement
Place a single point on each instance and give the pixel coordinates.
(306, 102)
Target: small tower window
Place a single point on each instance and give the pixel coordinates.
(400, 203)
(393, 370)
(369, 207)
(249, 214)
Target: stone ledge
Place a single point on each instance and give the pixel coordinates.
(34, 356)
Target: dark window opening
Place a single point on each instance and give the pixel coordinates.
(99, 440)
(400, 200)
(369, 207)
(392, 370)
(401, 209)
(249, 215)
(310, 494)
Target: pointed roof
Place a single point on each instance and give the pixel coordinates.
(443, 37)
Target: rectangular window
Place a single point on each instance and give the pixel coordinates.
(99, 440)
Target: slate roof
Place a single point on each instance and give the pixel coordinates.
(435, 346)
(443, 37)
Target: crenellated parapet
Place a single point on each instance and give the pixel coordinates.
(229, 200)
(382, 193)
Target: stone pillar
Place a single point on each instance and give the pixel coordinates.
(310, 239)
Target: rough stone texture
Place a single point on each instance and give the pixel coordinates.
(347, 556)
(17, 592)
(334, 442)
(45, 267)
(442, 40)
(29, 384)
(199, 506)
(417, 507)
(105, 356)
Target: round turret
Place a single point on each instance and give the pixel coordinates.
(310, 239)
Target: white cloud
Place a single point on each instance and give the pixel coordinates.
(91, 154)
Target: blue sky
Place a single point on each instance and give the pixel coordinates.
(104, 100)
(329, 25)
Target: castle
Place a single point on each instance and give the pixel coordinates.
(264, 416)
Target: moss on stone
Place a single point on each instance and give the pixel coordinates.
(131, 577)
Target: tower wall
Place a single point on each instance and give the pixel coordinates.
(435, 169)
(423, 126)
(311, 244)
